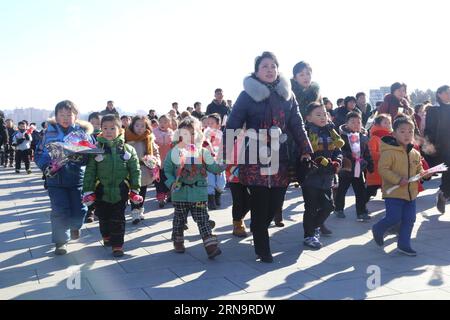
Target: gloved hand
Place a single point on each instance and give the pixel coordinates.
(322, 161)
(51, 170)
(135, 197)
(89, 198)
(336, 165)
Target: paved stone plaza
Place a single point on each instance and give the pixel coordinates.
(151, 270)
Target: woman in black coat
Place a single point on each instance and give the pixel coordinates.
(267, 105)
(437, 126)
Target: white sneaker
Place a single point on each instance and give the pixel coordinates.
(135, 215)
(141, 214)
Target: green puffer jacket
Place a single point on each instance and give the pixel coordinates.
(110, 176)
(193, 181)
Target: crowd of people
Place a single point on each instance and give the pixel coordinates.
(189, 158)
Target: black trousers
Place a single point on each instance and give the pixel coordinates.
(142, 193)
(264, 203)
(360, 193)
(111, 218)
(445, 181)
(241, 201)
(23, 155)
(318, 206)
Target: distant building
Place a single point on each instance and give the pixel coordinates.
(378, 94)
(29, 114)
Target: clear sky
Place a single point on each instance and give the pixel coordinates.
(148, 53)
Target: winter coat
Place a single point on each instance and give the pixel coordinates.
(193, 179)
(396, 163)
(113, 174)
(261, 108)
(326, 143)
(22, 140)
(4, 136)
(164, 141)
(376, 133)
(222, 109)
(147, 177)
(11, 133)
(107, 111)
(198, 115)
(437, 124)
(71, 175)
(391, 106)
(305, 96)
(349, 162)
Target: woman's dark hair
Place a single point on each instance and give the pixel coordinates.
(111, 118)
(379, 118)
(66, 105)
(359, 94)
(300, 66)
(339, 101)
(313, 106)
(439, 91)
(136, 119)
(397, 85)
(348, 99)
(265, 54)
(403, 120)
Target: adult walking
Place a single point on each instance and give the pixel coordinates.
(436, 132)
(396, 102)
(267, 102)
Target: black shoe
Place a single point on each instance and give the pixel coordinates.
(279, 224)
(325, 231)
(378, 240)
(212, 224)
(407, 251)
(61, 249)
(186, 226)
(217, 198)
(17, 171)
(363, 217)
(265, 259)
(340, 214)
(74, 234)
(441, 202)
(212, 202)
(118, 252)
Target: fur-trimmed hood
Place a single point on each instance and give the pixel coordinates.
(258, 91)
(85, 125)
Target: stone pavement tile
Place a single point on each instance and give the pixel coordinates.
(151, 262)
(275, 294)
(47, 291)
(11, 258)
(134, 294)
(279, 278)
(10, 226)
(100, 268)
(213, 270)
(19, 278)
(397, 262)
(328, 272)
(416, 280)
(43, 265)
(135, 280)
(344, 290)
(436, 294)
(194, 290)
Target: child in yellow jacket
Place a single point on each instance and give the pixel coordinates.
(399, 161)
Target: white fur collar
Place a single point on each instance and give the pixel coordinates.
(259, 92)
(87, 126)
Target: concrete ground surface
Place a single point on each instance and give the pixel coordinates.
(350, 266)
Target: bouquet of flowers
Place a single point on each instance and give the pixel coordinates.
(187, 155)
(152, 163)
(73, 147)
(439, 168)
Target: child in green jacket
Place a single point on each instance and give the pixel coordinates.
(110, 180)
(186, 168)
